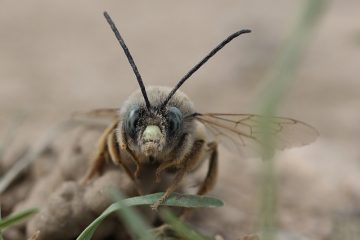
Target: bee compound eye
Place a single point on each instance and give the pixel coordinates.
(132, 121)
(175, 118)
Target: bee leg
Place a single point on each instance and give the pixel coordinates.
(114, 154)
(136, 161)
(163, 166)
(125, 147)
(115, 157)
(176, 161)
(184, 167)
(99, 160)
(212, 173)
(179, 176)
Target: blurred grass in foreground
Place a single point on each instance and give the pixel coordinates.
(183, 230)
(136, 225)
(1, 237)
(15, 218)
(279, 79)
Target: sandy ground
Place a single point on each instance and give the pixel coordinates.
(60, 57)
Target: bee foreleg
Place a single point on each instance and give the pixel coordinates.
(136, 161)
(114, 154)
(125, 147)
(184, 147)
(185, 166)
(163, 166)
(212, 173)
(113, 150)
(177, 180)
(99, 159)
(211, 176)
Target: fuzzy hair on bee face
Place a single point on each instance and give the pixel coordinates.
(159, 130)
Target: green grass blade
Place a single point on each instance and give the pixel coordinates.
(1, 237)
(179, 227)
(175, 199)
(279, 80)
(16, 218)
(136, 225)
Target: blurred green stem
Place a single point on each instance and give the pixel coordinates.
(278, 81)
(135, 223)
(184, 231)
(16, 218)
(1, 237)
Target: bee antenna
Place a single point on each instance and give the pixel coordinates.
(129, 57)
(203, 61)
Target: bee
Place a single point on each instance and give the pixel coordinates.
(160, 126)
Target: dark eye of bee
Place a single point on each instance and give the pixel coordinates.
(132, 121)
(175, 119)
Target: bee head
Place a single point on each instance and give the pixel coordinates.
(154, 119)
(158, 130)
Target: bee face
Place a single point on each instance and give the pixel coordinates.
(158, 130)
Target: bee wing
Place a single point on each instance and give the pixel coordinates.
(101, 117)
(245, 129)
(99, 113)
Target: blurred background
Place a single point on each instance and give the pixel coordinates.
(58, 57)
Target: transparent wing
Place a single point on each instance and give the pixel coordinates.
(99, 113)
(245, 129)
(98, 116)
